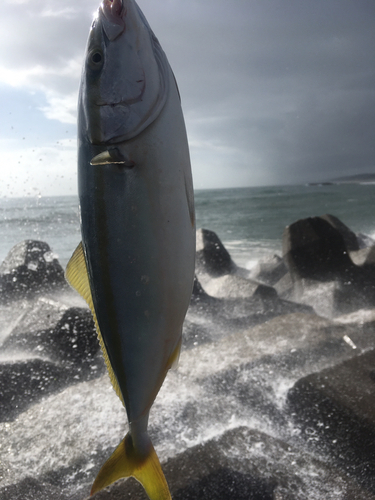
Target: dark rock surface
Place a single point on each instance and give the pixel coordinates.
(336, 407)
(269, 271)
(226, 293)
(73, 339)
(350, 238)
(31, 489)
(199, 295)
(365, 241)
(317, 250)
(230, 314)
(48, 347)
(24, 382)
(362, 256)
(31, 315)
(370, 258)
(233, 286)
(30, 268)
(66, 354)
(212, 257)
(314, 249)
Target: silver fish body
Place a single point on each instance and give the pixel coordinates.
(137, 209)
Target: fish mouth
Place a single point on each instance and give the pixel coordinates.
(113, 10)
(127, 102)
(114, 13)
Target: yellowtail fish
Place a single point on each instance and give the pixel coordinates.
(135, 265)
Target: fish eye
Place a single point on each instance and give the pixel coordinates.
(96, 59)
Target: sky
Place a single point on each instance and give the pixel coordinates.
(273, 91)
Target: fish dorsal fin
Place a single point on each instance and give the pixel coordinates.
(77, 276)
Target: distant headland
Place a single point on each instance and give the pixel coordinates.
(349, 179)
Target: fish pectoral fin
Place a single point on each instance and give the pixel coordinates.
(77, 276)
(112, 156)
(126, 461)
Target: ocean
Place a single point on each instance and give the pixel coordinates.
(249, 221)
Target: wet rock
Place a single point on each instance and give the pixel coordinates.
(330, 298)
(226, 290)
(58, 439)
(322, 296)
(47, 360)
(336, 411)
(72, 339)
(198, 294)
(211, 255)
(289, 334)
(24, 382)
(314, 249)
(231, 371)
(350, 239)
(195, 334)
(269, 271)
(363, 319)
(261, 376)
(223, 315)
(285, 287)
(242, 463)
(31, 489)
(30, 316)
(316, 252)
(30, 268)
(235, 301)
(359, 257)
(232, 286)
(364, 240)
(370, 257)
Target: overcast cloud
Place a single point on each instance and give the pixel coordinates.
(273, 92)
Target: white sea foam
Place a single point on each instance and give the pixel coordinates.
(251, 264)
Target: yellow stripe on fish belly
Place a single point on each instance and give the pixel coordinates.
(77, 276)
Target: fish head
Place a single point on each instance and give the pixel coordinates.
(124, 80)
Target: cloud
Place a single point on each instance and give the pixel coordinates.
(44, 49)
(300, 97)
(272, 92)
(67, 12)
(61, 107)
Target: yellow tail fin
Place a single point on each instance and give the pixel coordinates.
(125, 461)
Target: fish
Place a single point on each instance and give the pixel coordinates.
(135, 263)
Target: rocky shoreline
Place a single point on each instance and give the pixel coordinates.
(273, 398)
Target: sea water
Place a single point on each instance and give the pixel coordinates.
(249, 221)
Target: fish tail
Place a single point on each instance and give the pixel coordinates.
(143, 465)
